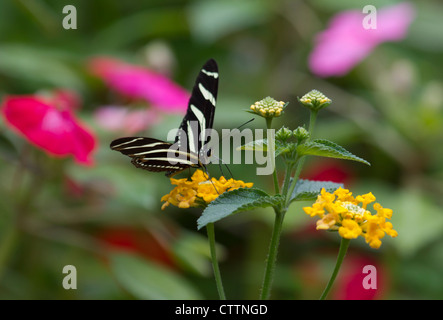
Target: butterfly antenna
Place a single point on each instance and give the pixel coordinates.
(229, 170)
(246, 123)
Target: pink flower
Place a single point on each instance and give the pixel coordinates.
(50, 124)
(141, 83)
(346, 42)
(123, 119)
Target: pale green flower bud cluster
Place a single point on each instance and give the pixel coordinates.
(284, 134)
(315, 100)
(268, 107)
(301, 134)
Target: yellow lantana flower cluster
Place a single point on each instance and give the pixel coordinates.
(341, 211)
(199, 191)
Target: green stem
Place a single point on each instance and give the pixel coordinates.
(286, 181)
(301, 161)
(272, 256)
(274, 173)
(341, 255)
(217, 275)
(287, 190)
(312, 118)
(294, 180)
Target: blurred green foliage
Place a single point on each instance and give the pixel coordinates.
(388, 110)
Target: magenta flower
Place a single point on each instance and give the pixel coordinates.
(50, 124)
(346, 42)
(125, 120)
(141, 83)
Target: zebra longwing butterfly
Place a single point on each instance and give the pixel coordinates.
(155, 155)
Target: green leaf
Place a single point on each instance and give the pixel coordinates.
(239, 200)
(329, 149)
(262, 145)
(259, 145)
(307, 190)
(146, 280)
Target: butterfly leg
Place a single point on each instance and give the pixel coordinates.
(209, 178)
(221, 169)
(170, 174)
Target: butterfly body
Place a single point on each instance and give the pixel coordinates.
(188, 150)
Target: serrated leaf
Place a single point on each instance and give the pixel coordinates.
(239, 200)
(308, 190)
(329, 149)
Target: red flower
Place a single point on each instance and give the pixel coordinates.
(138, 241)
(50, 124)
(350, 282)
(141, 83)
(329, 170)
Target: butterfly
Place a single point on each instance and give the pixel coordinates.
(190, 148)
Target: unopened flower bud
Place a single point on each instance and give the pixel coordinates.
(283, 134)
(268, 107)
(315, 100)
(301, 134)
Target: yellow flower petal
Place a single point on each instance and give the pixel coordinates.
(191, 193)
(349, 229)
(341, 211)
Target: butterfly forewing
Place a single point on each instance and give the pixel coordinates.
(156, 155)
(201, 108)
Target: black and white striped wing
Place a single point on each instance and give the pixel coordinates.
(155, 155)
(201, 108)
(152, 154)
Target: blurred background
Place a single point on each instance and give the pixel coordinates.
(104, 217)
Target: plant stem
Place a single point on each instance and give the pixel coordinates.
(300, 163)
(286, 181)
(312, 118)
(274, 173)
(272, 255)
(341, 255)
(294, 180)
(217, 275)
(287, 189)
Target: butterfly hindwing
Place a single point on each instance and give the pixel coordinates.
(150, 154)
